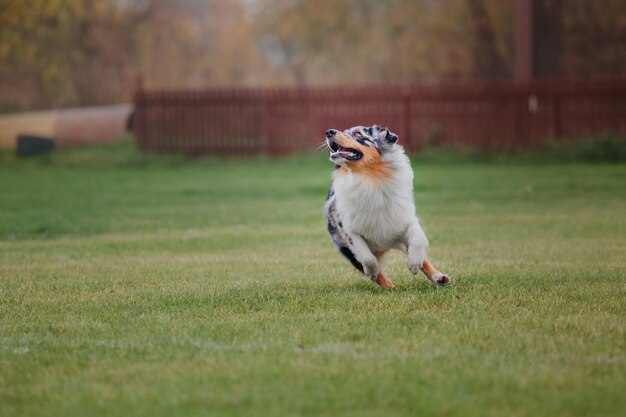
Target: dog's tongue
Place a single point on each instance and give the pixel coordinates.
(345, 154)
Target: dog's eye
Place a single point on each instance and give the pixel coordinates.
(363, 142)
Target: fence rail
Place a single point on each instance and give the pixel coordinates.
(278, 121)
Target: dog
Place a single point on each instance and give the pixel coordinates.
(370, 206)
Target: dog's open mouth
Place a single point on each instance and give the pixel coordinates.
(337, 151)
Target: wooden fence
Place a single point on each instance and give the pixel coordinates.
(278, 121)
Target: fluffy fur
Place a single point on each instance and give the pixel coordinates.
(370, 206)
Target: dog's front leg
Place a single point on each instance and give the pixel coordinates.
(371, 267)
(417, 243)
(416, 248)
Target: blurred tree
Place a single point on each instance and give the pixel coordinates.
(594, 38)
(352, 40)
(56, 53)
(485, 55)
(547, 38)
(64, 52)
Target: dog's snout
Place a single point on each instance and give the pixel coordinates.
(331, 132)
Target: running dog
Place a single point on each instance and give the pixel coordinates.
(370, 206)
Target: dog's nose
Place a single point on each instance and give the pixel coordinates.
(331, 132)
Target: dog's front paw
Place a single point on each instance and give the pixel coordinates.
(415, 267)
(415, 260)
(441, 279)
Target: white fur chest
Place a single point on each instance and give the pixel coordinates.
(379, 211)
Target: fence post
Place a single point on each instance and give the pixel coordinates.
(556, 116)
(265, 128)
(138, 114)
(406, 101)
(522, 117)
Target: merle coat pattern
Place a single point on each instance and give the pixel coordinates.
(370, 206)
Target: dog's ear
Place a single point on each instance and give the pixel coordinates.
(386, 139)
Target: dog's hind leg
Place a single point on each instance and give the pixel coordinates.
(345, 251)
(342, 240)
(433, 275)
(383, 281)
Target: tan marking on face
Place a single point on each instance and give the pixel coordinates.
(371, 164)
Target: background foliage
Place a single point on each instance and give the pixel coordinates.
(56, 53)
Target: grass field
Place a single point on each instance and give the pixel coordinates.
(151, 286)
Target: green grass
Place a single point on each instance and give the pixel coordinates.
(607, 148)
(134, 284)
